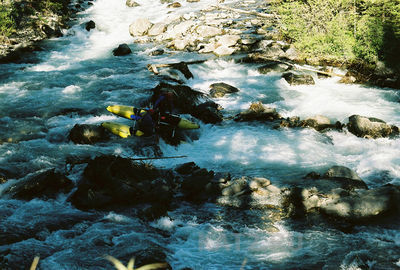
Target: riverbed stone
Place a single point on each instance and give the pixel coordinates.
(369, 127)
(220, 89)
(139, 27)
(205, 31)
(157, 29)
(122, 50)
(258, 112)
(174, 5)
(228, 40)
(223, 51)
(298, 79)
(88, 134)
(90, 25)
(44, 184)
(273, 66)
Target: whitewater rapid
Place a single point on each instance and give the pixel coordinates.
(75, 77)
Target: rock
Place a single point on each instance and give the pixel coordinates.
(192, 1)
(341, 172)
(236, 188)
(205, 31)
(149, 256)
(258, 112)
(298, 79)
(349, 78)
(259, 182)
(139, 27)
(194, 185)
(132, 3)
(181, 43)
(123, 49)
(174, 5)
(291, 122)
(228, 40)
(157, 52)
(110, 180)
(292, 53)
(51, 31)
(187, 168)
(318, 122)
(365, 127)
(181, 28)
(45, 184)
(366, 205)
(218, 90)
(157, 29)
(273, 66)
(208, 113)
(88, 134)
(90, 25)
(223, 51)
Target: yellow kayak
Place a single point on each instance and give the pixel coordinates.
(173, 120)
(120, 129)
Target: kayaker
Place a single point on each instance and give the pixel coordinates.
(144, 122)
(163, 102)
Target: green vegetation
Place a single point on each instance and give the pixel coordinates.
(349, 31)
(7, 23)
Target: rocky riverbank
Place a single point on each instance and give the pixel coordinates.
(34, 21)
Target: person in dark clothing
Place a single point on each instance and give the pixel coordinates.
(163, 102)
(144, 122)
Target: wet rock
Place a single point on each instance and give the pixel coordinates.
(51, 31)
(208, 112)
(349, 78)
(123, 49)
(258, 112)
(90, 25)
(111, 180)
(157, 52)
(150, 256)
(292, 54)
(298, 79)
(187, 168)
(174, 5)
(374, 128)
(132, 3)
(341, 172)
(291, 122)
(220, 89)
(192, 1)
(139, 27)
(88, 134)
(367, 205)
(194, 185)
(318, 122)
(273, 66)
(47, 184)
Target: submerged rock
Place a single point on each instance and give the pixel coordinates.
(47, 184)
(132, 3)
(88, 134)
(220, 89)
(374, 128)
(208, 112)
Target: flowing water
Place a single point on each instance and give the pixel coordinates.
(74, 78)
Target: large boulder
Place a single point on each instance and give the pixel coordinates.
(298, 79)
(318, 122)
(220, 89)
(88, 134)
(139, 27)
(208, 112)
(44, 184)
(366, 205)
(123, 49)
(258, 112)
(111, 180)
(365, 127)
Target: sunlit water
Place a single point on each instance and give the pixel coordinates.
(76, 77)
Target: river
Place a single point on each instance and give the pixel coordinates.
(75, 77)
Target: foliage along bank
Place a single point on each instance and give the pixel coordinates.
(23, 22)
(363, 35)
